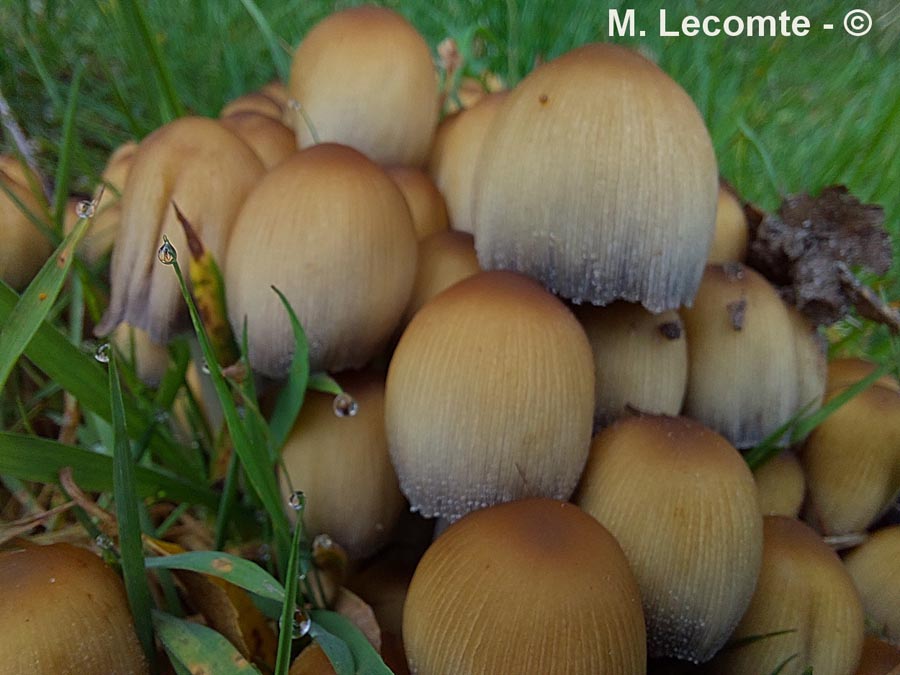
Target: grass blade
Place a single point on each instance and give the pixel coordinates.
(235, 570)
(286, 624)
(128, 517)
(198, 649)
(279, 58)
(335, 649)
(367, 661)
(290, 398)
(35, 303)
(64, 164)
(40, 460)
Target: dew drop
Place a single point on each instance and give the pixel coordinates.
(345, 405)
(293, 104)
(161, 416)
(104, 542)
(166, 253)
(204, 367)
(297, 500)
(85, 209)
(322, 542)
(102, 353)
(301, 624)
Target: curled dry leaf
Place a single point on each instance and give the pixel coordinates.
(808, 247)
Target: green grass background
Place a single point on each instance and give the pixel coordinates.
(786, 114)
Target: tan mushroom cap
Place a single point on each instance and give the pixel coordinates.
(332, 231)
(782, 486)
(64, 612)
(598, 178)
(271, 140)
(490, 397)
(366, 79)
(205, 169)
(258, 102)
(534, 586)
(24, 248)
(683, 505)
(805, 593)
(875, 568)
(844, 372)
(878, 658)
(457, 143)
(426, 204)
(732, 237)
(445, 258)
(640, 359)
(342, 466)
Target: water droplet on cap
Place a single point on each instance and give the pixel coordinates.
(166, 253)
(104, 542)
(301, 624)
(297, 500)
(322, 542)
(345, 405)
(102, 353)
(84, 209)
(204, 367)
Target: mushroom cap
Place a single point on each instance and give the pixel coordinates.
(598, 178)
(732, 237)
(876, 573)
(64, 612)
(852, 461)
(781, 485)
(342, 466)
(444, 259)
(640, 359)
(207, 170)
(259, 102)
(490, 397)
(844, 372)
(743, 373)
(454, 155)
(332, 231)
(426, 205)
(803, 589)
(24, 248)
(683, 505)
(812, 361)
(366, 79)
(271, 140)
(533, 586)
(878, 658)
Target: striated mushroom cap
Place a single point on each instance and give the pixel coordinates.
(490, 397)
(875, 568)
(426, 205)
(599, 179)
(24, 248)
(64, 612)
(332, 231)
(683, 505)
(782, 486)
(805, 594)
(732, 237)
(444, 259)
(257, 102)
(366, 79)
(533, 586)
(206, 170)
(640, 359)
(271, 140)
(844, 372)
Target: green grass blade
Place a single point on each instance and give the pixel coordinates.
(335, 649)
(127, 514)
(286, 624)
(35, 303)
(324, 383)
(752, 639)
(281, 60)
(199, 649)
(366, 658)
(290, 398)
(66, 149)
(781, 666)
(231, 568)
(40, 460)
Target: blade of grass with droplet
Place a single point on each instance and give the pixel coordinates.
(290, 398)
(66, 148)
(35, 303)
(198, 648)
(81, 375)
(40, 460)
(367, 661)
(238, 571)
(324, 383)
(279, 59)
(128, 517)
(286, 624)
(254, 459)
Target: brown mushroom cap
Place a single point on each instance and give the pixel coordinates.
(598, 178)
(445, 258)
(805, 594)
(683, 505)
(366, 79)
(490, 397)
(844, 372)
(878, 658)
(206, 170)
(271, 140)
(640, 359)
(150, 360)
(332, 231)
(426, 205)
(64, 612)
(457, 142)
(342, 466)
(732, 236)
(24, 248)
(781, 485)
(257, 102)
(534, 586)
(875, 568)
